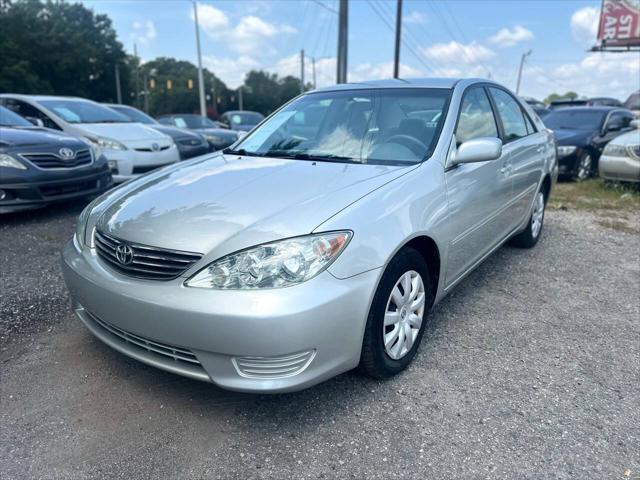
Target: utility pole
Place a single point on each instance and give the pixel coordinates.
(313, 68)
(135, 54)
(203, 106)
(302, 71)
(396, 58)
(118, 90)
(524, 56)
(343, 26)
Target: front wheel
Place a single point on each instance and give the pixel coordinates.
(531, 234)
(584, 167)
(398, 316)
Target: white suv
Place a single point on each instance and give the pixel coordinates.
(130, 148)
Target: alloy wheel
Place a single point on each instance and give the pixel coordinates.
(538, 215)
(403, 315)
(584, 167)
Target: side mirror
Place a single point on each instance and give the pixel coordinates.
(614, 127)
(36, 121)
(481, 149)
(635, 124)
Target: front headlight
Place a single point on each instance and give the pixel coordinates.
(214, 139)
(107, 143)
(273, 265)
(615, 150)
(81, 225)
(7, 161)
(565, 150)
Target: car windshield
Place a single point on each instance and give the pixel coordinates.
(80, 111)
(574, 119)
(193, 121)
(246, 118)
(11, 119)
(134, 114)
(384, 126)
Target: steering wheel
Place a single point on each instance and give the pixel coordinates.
(412, 143)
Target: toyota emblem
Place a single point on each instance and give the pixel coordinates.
(66, 153)
(124, 254)
(155, 147)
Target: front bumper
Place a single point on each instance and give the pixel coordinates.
(190, 151)
(567, 164)
(624, 169)
(132, 163)
(324, 317)
(35, 188)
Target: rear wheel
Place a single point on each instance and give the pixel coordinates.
(398, 316)
(530, 235)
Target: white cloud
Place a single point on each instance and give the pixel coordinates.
(230, 70)
(457, 53)
(143, 32)
(509, 37)
(247, 36)
(584, 25)
(375, 71)
(414, 17)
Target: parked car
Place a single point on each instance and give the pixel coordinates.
(40, 166)
(242, 120)
(633, 103)
(566, 103)
(582, 133)
(311, 248)
(217, 137)
(604, 102)
(620, 160)
(131, 149)
(190, 144)
(537, 106)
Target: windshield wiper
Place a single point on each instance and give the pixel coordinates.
(310, 157)
(242, 152)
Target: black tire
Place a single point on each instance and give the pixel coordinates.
(374, 360)
(528, 238)
(583, 169)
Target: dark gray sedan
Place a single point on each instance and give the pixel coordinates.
(217, 137)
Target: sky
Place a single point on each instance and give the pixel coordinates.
(460, 38)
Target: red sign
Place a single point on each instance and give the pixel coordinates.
(620, 23)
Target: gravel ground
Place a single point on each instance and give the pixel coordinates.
(528, 370)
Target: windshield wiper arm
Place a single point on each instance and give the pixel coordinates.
(310, 157)
(242, 152)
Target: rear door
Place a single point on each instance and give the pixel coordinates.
(527, 149)
(477, 192)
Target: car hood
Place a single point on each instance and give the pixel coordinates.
(566, 136)
(629, 138)
(219, 132)
(175, 132)
(27, 136)
(122, 132)
(225, 203)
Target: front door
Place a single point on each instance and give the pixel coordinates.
(477, 193)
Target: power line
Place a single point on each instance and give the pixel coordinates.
(326, 7)
(385, 21)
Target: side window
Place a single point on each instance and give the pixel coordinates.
(29, 111)
(476, 117)
(530, 128)
(511, 115)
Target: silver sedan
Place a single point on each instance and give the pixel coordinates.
(320, 241)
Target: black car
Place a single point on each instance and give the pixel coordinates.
(217, 137)
(39, 166)
(190, 144)
(241, 120)
(582, 133)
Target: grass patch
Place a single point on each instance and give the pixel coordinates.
(594, 194)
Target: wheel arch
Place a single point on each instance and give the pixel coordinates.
(430, 252)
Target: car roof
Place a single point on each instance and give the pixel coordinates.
(39, 98)
(401, 83)
(599, 108)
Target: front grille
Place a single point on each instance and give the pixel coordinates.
(145, 168)
(177, 354)
(191, 142)
(57, 190)
(149, 149)
(52, 160)
(273, 367)
(146, 262)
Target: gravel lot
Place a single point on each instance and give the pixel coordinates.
(529, 370)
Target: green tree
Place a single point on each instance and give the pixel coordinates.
(59, 48)
(554, 96)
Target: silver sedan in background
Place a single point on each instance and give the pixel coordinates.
(321, 241)
(620, 160)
